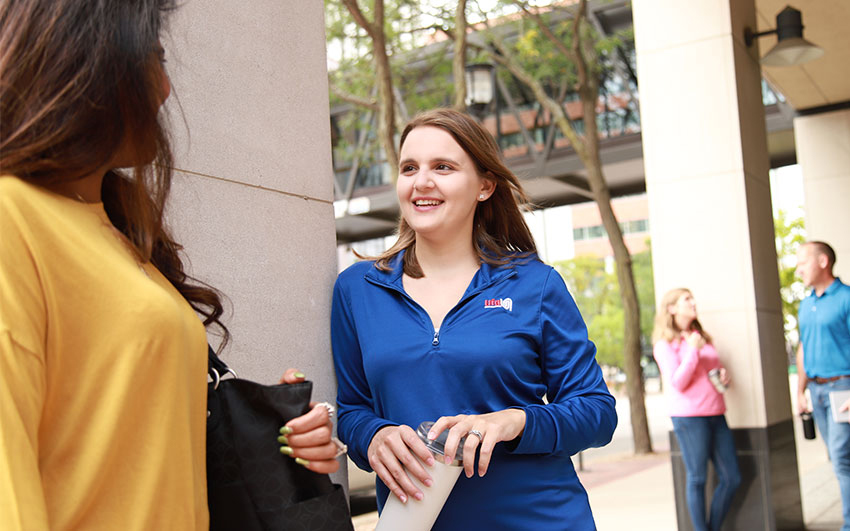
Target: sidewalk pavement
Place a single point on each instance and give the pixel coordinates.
(636, 492)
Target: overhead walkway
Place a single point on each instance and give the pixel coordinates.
(552, 177)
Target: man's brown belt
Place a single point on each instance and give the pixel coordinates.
(831, 379)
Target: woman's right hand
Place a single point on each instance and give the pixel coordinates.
(695, 340)
(391, 456)
(802, 402)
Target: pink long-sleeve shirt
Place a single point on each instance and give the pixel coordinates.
(685, 373)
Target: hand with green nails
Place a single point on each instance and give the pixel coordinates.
(309, 438)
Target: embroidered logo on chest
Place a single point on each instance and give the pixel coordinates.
(507, 304)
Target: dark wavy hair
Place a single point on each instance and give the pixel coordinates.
(79, 83)
(499, 232)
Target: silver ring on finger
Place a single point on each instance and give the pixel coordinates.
(329, 407)
(477, 434)
(341, 447)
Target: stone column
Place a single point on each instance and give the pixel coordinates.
(823, 152)
(253, 194)
(706, 161)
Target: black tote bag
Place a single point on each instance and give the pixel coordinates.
(251, 486)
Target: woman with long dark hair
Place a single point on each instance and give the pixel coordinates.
(686, 357)
(103, 358)
(460, 323)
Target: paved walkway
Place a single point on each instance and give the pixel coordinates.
(636, 493)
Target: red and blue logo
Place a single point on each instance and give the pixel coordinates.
(506, 303)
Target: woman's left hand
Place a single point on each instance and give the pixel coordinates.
(504, 425)
(309, 438)
(725, 379)
(292, 376)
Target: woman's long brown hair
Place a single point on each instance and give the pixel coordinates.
(78, 83)
(499, 232)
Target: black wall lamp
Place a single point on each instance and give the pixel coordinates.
(791, 48)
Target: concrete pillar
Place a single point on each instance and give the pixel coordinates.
(823, 152)
(706, 161)
(253, 194)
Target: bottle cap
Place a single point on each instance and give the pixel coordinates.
(438, 445)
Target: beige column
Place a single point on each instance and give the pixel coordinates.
(253, 196)
(823, 152)
(706, 161)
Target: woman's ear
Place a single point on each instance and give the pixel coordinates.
(488, 186)
(671, 309)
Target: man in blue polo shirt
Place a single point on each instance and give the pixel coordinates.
(823, 357)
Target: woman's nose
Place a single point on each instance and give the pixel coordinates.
(422, 181)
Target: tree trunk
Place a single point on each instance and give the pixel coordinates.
(459, 59)
(386, 97)
(588, 90)
(631, 309)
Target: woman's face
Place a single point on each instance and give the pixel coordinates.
(438, 186)
(685, 307)
(130, 154)
(159, 66)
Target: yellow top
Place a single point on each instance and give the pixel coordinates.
(102, 377)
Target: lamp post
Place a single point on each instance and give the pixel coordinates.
(479, 88)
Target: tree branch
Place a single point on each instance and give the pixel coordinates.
(379, 17)
(545, 29)
(507, 59)
(459, 59)
(578, 57)
(358, 16)
(372, 105)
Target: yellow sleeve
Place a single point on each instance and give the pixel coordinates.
(23, 324)
(22, 505)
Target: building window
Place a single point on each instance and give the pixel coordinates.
(598, 231)
(580, 233)
(638, 225)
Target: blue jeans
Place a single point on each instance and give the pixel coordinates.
(836, 436)
(701, 439)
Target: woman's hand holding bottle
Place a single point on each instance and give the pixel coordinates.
(482, 432)
(393, 454)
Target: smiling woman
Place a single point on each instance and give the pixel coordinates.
(498, 228)
(438, 186)
(460, 323)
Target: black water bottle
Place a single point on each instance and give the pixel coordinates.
(808, 425)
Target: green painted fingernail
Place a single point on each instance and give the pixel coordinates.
(286, 430)
(302, 462)
(299, 375)
(286, 450)
(283, 440)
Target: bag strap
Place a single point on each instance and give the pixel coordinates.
(217, 368)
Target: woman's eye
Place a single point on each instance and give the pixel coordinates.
(443, 167)
(408, 168)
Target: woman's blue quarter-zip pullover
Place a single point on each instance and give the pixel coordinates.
(515, 339)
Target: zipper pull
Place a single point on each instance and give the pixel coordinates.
(436, 340)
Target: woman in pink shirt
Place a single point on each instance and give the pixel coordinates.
(685, 355)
